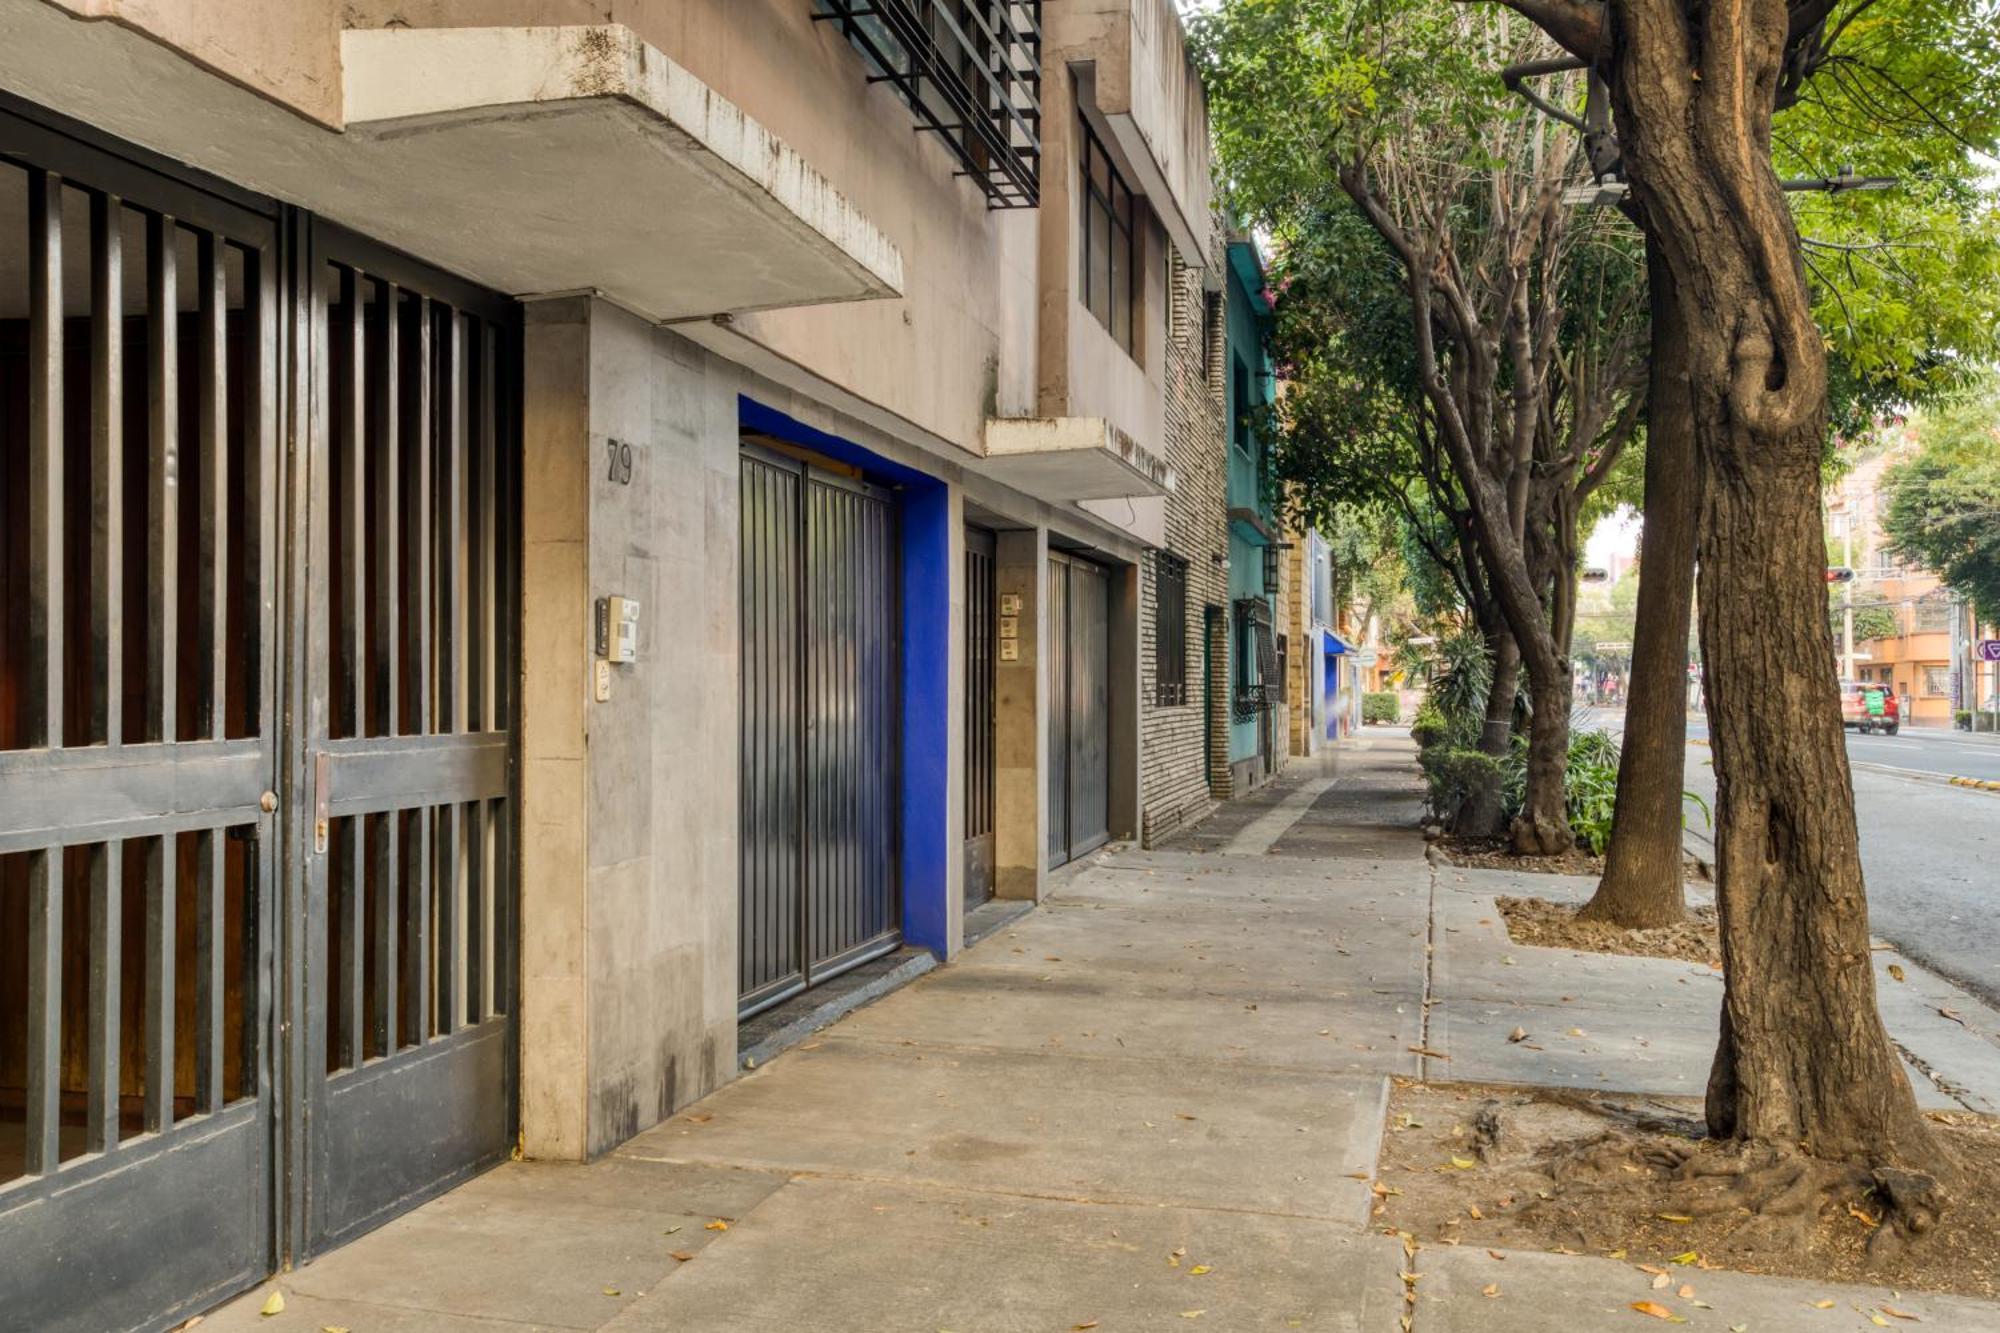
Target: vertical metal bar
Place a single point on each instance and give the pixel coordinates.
(107, 467)
(161, 876)
(45, 935)
(479, 583)
(44, 716)
(452, 401)
(212, 388)
(162, 481)
(106, 881)
(386, 423)
(352, 649)
(211, 946)
(353, 930)
(388, 863)
(445, 837)
(419, 438)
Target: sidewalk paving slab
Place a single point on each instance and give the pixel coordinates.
(1193, 1133)
(1583, 1294)
(845, 1254)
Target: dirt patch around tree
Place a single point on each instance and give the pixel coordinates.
(1538, 921)
(1499, 854)
(1635, 1178)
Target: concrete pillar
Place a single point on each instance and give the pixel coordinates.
(555, 601)
(1020, 734)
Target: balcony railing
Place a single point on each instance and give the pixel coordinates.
(971, 73)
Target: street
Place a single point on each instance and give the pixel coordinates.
(1928, 849)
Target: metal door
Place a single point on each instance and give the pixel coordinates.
(819, 879)
(981, 613)
(407, 674)
(138, 736)
(1079, 727)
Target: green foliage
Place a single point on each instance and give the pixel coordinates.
(1875, 622)
(1944, 506)
(1456, 774)
(1906, 281)
(1381, 706)
(1590, 787)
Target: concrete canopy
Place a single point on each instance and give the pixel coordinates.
(534, 160)
(624, 172)
(1066, 459)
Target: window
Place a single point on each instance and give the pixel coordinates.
(1211, 339)
(970, 72)
(1170, 629)
(1110, 278)
(1933, 615)
(1256, 684)
(1937, 681)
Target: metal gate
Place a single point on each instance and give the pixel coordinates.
(138, 736)
(407, 674)
(819, 732)
(256, 840)
(981, 612)
(1079, 642)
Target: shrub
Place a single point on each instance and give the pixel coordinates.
(1381, 706)
(1590, 789)
(1455, 774)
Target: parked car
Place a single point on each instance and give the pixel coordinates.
(1869, 705)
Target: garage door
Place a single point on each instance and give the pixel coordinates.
(819, 740)
(1079, 641)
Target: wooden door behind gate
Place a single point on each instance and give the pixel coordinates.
(409, 669)
(138, 736)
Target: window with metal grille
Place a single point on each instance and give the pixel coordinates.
(1256, 684)
(1170, 630)
(970, 71)
(1110, 249)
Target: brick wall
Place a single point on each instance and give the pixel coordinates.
(1176, 791)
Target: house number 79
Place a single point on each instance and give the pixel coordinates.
(621, 462)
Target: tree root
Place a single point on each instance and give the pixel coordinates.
(1780, 1196)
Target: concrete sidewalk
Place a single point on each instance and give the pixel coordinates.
(1156, 1102)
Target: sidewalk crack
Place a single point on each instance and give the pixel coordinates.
(1430, 965)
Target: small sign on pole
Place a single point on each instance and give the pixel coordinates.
(1987, 650)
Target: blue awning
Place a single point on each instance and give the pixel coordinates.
(1334, 644)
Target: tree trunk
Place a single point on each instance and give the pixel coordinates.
(1803, 1060)
(1542, 827)
(1481, 816)
(1642, 884)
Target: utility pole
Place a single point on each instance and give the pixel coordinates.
(1847, 590)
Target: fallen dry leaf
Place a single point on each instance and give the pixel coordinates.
(1463, 1163)
(1674, 1217)
(717, 1225)
(1822, 1305)
(1896, 971)
(1490, 1289)
(680, 1256)
(1495, 1254)
(1382, 1191)
(1661, 1281)
(1894, 1313)
(1079, 1328)
(701, 1117)
(273, 1304)
(1193, 1314)
(611, 1291)
(1199, 1269)
(1686, 1292)
(1472, 1211)
(1518, 1034)
(1658, 1311)
(1685, 1257)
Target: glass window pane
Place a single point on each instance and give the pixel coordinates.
(1099, 296)
(1121, 288)
(1100, 166)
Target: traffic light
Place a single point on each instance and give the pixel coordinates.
(1839, 574)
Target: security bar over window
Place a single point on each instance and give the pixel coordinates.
(970, 71)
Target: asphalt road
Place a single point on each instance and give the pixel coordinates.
(1931, 852)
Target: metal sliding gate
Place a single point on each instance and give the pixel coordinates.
(1079, 666)
(255, 724)
(819, 767)
(981, 627)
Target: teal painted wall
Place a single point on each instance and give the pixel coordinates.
(1247, 386)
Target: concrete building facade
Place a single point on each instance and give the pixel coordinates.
(662, 506)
